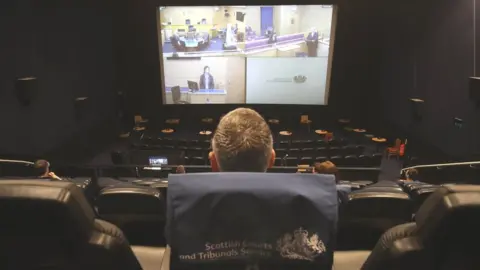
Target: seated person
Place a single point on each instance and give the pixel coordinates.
(242, 143)
(328, 167)
(272, 38)
(43, 168)
(411, 175)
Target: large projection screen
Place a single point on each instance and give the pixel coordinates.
(246, 54)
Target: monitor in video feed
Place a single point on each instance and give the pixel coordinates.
(157, 161)
(224, 54)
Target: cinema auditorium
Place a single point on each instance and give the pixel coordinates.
(181, 135)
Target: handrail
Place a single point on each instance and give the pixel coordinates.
(16, 161)
(106, 166)
(441, 165)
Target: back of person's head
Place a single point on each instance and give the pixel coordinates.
(326, 167)
(242, 143)
(41, 167)
(412, 174)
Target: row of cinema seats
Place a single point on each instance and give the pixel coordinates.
(50, 225)
(149, 142)
(342, 161)
(370, 211)
(323, 151)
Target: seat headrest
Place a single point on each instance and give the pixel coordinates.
(129, 200)
(245, 216)
(33, 207)
(373, 189)
(385, 183)
(368, 203)
(450, 210)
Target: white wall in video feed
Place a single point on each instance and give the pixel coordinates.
(287, 80)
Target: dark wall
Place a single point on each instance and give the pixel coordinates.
(428, 53)
(354, 75)
(68, 46)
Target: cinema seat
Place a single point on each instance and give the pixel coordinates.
(363, 183)
(50, 225)
(420, 195)
(251, 221)
(384, 186)
(138, 211)
(369, 213)
(444, 236)
(90, 188)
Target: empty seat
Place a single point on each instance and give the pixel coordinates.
(322, 151)
(335, 143)
(291, 161)
(286, 221)
(321, 144)
(376, 160)
(138, 211)
(278, 161)
(321, 158)
(284, 144)
(369, 213)
(359, 149)
(305, 144)
(197, 161)
(195, 152)
(308, 152)
(444, 236)
(363, 183)
(295, 152)
(335, 151)
(420, 195)
(364, 160)
(50, 225)
(351, 160)
(337, 160)
(281, 152)
(90, 188)
(306, 161)
(349, 150)
(387, 186)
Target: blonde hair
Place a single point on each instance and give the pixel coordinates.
(242, 142)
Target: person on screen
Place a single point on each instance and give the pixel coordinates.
(206, 79)
(230, 41)
(312, 42)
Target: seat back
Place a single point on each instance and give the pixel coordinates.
(447, 224)
(231, 220)
(369, 213)
(50, 225)
(138, 211)
(444, 236)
